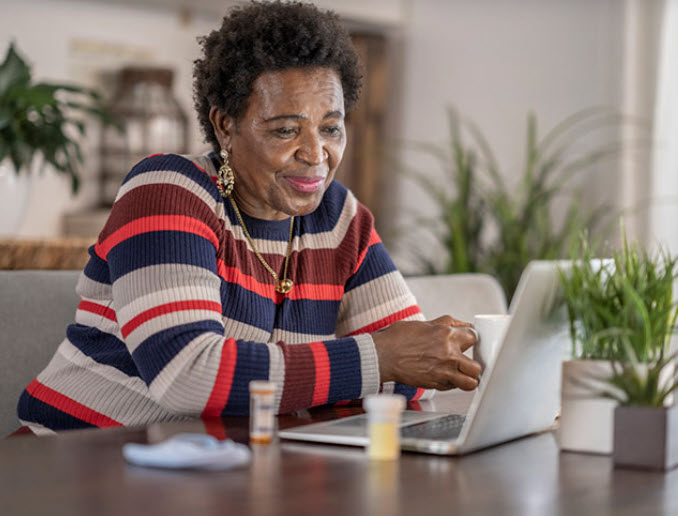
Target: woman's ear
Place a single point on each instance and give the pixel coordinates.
(224, 126)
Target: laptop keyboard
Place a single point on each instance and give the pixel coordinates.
(443, 428)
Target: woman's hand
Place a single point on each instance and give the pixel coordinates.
(428, 354)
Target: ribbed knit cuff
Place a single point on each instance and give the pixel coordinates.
(369, 364)
(428, 394)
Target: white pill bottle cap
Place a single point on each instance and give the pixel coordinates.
(384, 407)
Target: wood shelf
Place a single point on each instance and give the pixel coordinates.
(58, 254)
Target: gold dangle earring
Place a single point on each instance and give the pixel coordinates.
(226, 178)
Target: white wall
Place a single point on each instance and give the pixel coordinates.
(642, 35)
(65, 39)
(495, 61)
(664, 181)
(374, 12)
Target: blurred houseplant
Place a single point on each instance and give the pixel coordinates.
(622, 316)
(484, 225)
(41, 119)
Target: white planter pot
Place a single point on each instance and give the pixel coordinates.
(14, 192)
(586, 420)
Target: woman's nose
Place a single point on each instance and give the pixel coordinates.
(312, 151)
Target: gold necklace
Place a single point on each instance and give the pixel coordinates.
(284, 285)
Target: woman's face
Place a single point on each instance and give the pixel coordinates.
(286, 147)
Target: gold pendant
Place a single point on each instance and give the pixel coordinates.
(284, 286)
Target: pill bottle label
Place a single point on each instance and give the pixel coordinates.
(262, 417)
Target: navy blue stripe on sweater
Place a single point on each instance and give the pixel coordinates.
(327, 215)
(275, 230)
(308, 316)
(96, 268)
(32, 409)
(102, 347)
(158, 350)
(345, 382)
(153, 247)
(406, 390)
(242, 305)
(257, 355)
(377, 263)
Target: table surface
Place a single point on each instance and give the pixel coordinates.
(84, 473)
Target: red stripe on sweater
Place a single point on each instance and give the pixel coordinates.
(177, 306)
(222, 384)
(158, 199)
(98, 309)
(317, 292)
(374, 239)
(321, 388)
(156, 223)
(382, 323)
(299, 377)
(418, 394)
(235, 275)
(215, 427)
(69, 405)
(314, 292)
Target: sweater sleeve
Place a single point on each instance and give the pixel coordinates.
(160, 244)
(376, 295)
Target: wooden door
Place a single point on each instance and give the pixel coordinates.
(362, 165)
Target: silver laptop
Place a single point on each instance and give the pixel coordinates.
(518, 394)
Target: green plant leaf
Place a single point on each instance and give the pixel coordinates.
(5, 118)
(14, 72)
(39, 118)
(485, 149)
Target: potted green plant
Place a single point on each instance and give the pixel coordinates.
(39, 119)
(484, 224)
(617, 309)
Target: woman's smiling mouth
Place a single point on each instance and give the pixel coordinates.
(305, 184)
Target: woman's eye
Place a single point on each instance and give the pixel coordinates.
(285, 132)
(332, 130)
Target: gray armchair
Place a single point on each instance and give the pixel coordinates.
(459, 295)
(35, 308)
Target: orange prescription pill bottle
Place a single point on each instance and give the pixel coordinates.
(262, 415)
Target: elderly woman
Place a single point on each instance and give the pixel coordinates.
(249, 262)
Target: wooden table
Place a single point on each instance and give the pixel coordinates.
(83, 473)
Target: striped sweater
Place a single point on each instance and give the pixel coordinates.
(177, 315)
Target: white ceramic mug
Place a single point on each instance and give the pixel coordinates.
(491, 329)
